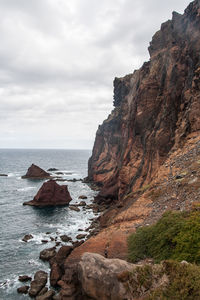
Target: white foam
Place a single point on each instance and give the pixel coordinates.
(10, 283)
(11, 174)
(35, 262)
(26, 188)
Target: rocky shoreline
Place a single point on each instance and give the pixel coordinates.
(56, 257)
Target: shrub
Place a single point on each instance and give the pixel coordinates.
(183, 284)
(175, 236)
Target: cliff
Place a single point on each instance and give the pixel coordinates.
(155, 109)
(146, 155)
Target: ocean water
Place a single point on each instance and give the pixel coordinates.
(20, 258)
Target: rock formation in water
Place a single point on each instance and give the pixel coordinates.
(35, 172)
(51, 194)
(156, 108)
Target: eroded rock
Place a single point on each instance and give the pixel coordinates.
(47, 254)
(40, 280)
(51, 194)
(27, 237)
(35, 172)
(23, 289)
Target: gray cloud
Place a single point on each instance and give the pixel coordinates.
(58, 60)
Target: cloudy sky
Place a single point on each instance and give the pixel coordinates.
(58, 59)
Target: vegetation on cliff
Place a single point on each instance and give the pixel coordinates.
(175, 236)
(169, 280)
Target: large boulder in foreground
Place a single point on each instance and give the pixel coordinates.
(35, 172)
(116, 279)
(51, 194)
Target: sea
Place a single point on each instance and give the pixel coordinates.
(21, 258)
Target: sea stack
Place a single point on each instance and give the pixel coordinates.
(35, 172)
(51, 194)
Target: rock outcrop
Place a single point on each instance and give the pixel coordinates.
(51, 194)
(39, 282)
(156, 108)
(35, 172)
(98, 277)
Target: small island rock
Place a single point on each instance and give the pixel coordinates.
(35, 172)
(51, 194)
(27, 237)
(24, 278)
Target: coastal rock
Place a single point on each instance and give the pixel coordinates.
(55, 274)
(40, 280)
(115, 279)
(95, 271)
(47, 254)
(47, 296)
(81, 236)
(35, 172)
(73, 207)
(57, 264)
(51, 194)
(82, 197)
(62, 254)
(24, 278)
(43, 291)
(82, 203)
(27, 237)
(52, 169)
(65, 238)
(23, 289)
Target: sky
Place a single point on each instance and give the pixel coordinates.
(58, 60)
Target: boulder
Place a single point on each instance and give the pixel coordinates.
(99, 277)
(51, 194)
(47, 254)
(73, 207)
(43, 291)
(52, 169)
(65, 238)
(27, 237)
(82, 203)
(24, 278)
(62, 254)
(82, 197)
(55, 274)
(35, 172)
(81, 236)
(40, 280)
(47, 296)
(23, 289)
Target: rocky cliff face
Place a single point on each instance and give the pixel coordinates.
(155, 109)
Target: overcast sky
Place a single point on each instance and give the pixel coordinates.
(58, 59)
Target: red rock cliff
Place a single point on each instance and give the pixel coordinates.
(156, 107)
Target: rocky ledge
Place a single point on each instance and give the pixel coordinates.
(51, 194)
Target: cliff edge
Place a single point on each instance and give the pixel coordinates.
(155, 109)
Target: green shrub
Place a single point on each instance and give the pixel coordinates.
(183, 284)
(175, 236)
(188, 240)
